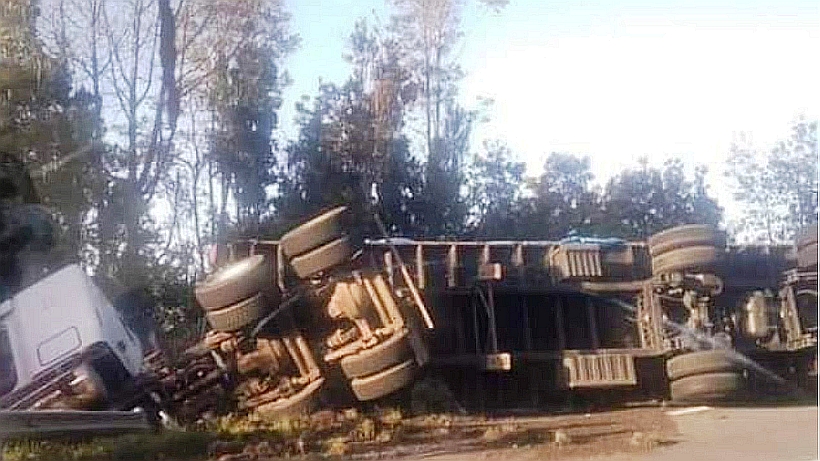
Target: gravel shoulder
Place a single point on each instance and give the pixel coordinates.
(676, 434)
(633, 431)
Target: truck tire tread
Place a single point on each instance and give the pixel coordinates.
(234, 283)
(325, 257)
(384, 382)
(316, 232)
(385, 355)
(235, 317)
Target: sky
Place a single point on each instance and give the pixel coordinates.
(612, 80)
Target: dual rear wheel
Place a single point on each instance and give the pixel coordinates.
(238, 294)
(706, 377)
(690, 248)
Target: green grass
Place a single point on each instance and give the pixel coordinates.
(284, 437)
(166, 445)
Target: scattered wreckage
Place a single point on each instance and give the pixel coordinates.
(681, 316)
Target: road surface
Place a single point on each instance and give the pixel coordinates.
(722, 434)
(703, 434)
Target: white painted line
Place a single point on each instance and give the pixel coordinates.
(686, 411)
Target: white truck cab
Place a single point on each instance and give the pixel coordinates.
(64, 345)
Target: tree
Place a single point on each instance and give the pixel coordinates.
(429, 30)
(563, 199)
(49, 127)
(145, 66)
(445, 208)
(496, 187)
(245, 96)
(794, 162)
(778, 189)
(350, 148)
(643, 201)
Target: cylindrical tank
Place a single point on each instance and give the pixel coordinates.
(756, 316)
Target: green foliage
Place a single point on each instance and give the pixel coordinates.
(778, 189)
(133, 447)
(563, 198)
(640, 202)
(445, 208)
(245, 100)
(496, 186)
(349, 146)
(48, 126)
(429, 31)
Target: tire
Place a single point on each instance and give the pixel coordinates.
(806, 237)
(385, 382)
(702, 362)
(234, 283)
(708, 388)
(235, 317)
(370, 361)
(807, 256)
(683, 236)
(299, 404)
(321, 259)
(318, 231)
(689, 258)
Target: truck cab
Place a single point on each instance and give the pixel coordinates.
(64, 345)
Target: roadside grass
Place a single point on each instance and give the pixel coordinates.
(167, 445)
(327, 433)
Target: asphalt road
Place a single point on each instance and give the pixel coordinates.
(727, 434)
(786, 433)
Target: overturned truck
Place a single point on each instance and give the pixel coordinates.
(321, 317)
(681, 316)
(283, 314)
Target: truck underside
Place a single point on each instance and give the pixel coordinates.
(321, 318)
(536, 323)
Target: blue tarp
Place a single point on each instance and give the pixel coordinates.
(604, 243)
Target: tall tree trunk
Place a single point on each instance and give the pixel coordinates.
(428, 100)
(195, 192)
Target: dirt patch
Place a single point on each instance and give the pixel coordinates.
(353, 435)
(549, 437)
(387, 435)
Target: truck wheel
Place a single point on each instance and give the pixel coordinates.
(234, 317)
(299, 404)
(318, 231)
(702, 362)
(683, 236)
(706, 388)
(369, 361)
(689, 258)
(385, 382)
(323, 258)
(234, 283)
